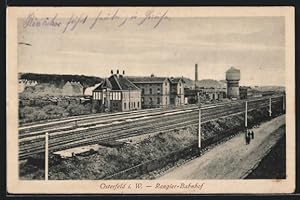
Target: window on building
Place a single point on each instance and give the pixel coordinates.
(134, 104)
(150, 100)
(166, 100)
(158, 100)
(166, 83)
(124, 105)
(150, 90)
(138, 104)
(158, 90)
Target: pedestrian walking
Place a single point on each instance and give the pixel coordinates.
(247, 139)
(252, 134)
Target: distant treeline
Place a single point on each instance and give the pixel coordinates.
(60, 80)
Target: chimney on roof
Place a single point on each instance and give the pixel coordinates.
(196, 72)
(111, 72)
(117, 71)
(152, 75)
(123, 72)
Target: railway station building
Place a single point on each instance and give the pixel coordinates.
(155, 90)
(117, 93)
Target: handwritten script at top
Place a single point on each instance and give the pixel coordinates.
(72, 22)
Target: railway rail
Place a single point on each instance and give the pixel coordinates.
(114, 127)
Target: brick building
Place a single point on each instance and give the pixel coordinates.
(117, 93)
(155, 90)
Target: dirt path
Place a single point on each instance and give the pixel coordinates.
(233, 159)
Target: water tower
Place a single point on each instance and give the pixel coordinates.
(233, 77)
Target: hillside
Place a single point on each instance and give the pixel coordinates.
(60, 80)
(270, 88)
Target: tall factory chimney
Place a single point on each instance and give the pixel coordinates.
(196, 72)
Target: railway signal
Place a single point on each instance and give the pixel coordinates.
(46, 155)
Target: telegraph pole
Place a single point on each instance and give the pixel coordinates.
(246, 117)
(283, 104)
(199, 128)
(246, 114)
(199, 124)
(270, 107)
(46, 155)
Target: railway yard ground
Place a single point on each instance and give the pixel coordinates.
(240, 160)
(145, 144)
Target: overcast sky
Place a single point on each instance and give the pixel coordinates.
(255, 45)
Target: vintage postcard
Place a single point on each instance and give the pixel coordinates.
(150, 100)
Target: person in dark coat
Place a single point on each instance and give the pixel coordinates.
(247, 137)
(252, 134)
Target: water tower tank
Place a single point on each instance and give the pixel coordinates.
(233, 77)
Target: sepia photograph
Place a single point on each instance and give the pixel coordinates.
(151, 100)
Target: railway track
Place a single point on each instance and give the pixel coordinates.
(95, 119)
(137, 125)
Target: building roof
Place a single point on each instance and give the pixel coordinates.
(73, 84)
(232, 69)
(210, 83)
(117, 82)
(76, 87)
(89, 91)
(104, 85)
(147, 79)
(176, 80)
